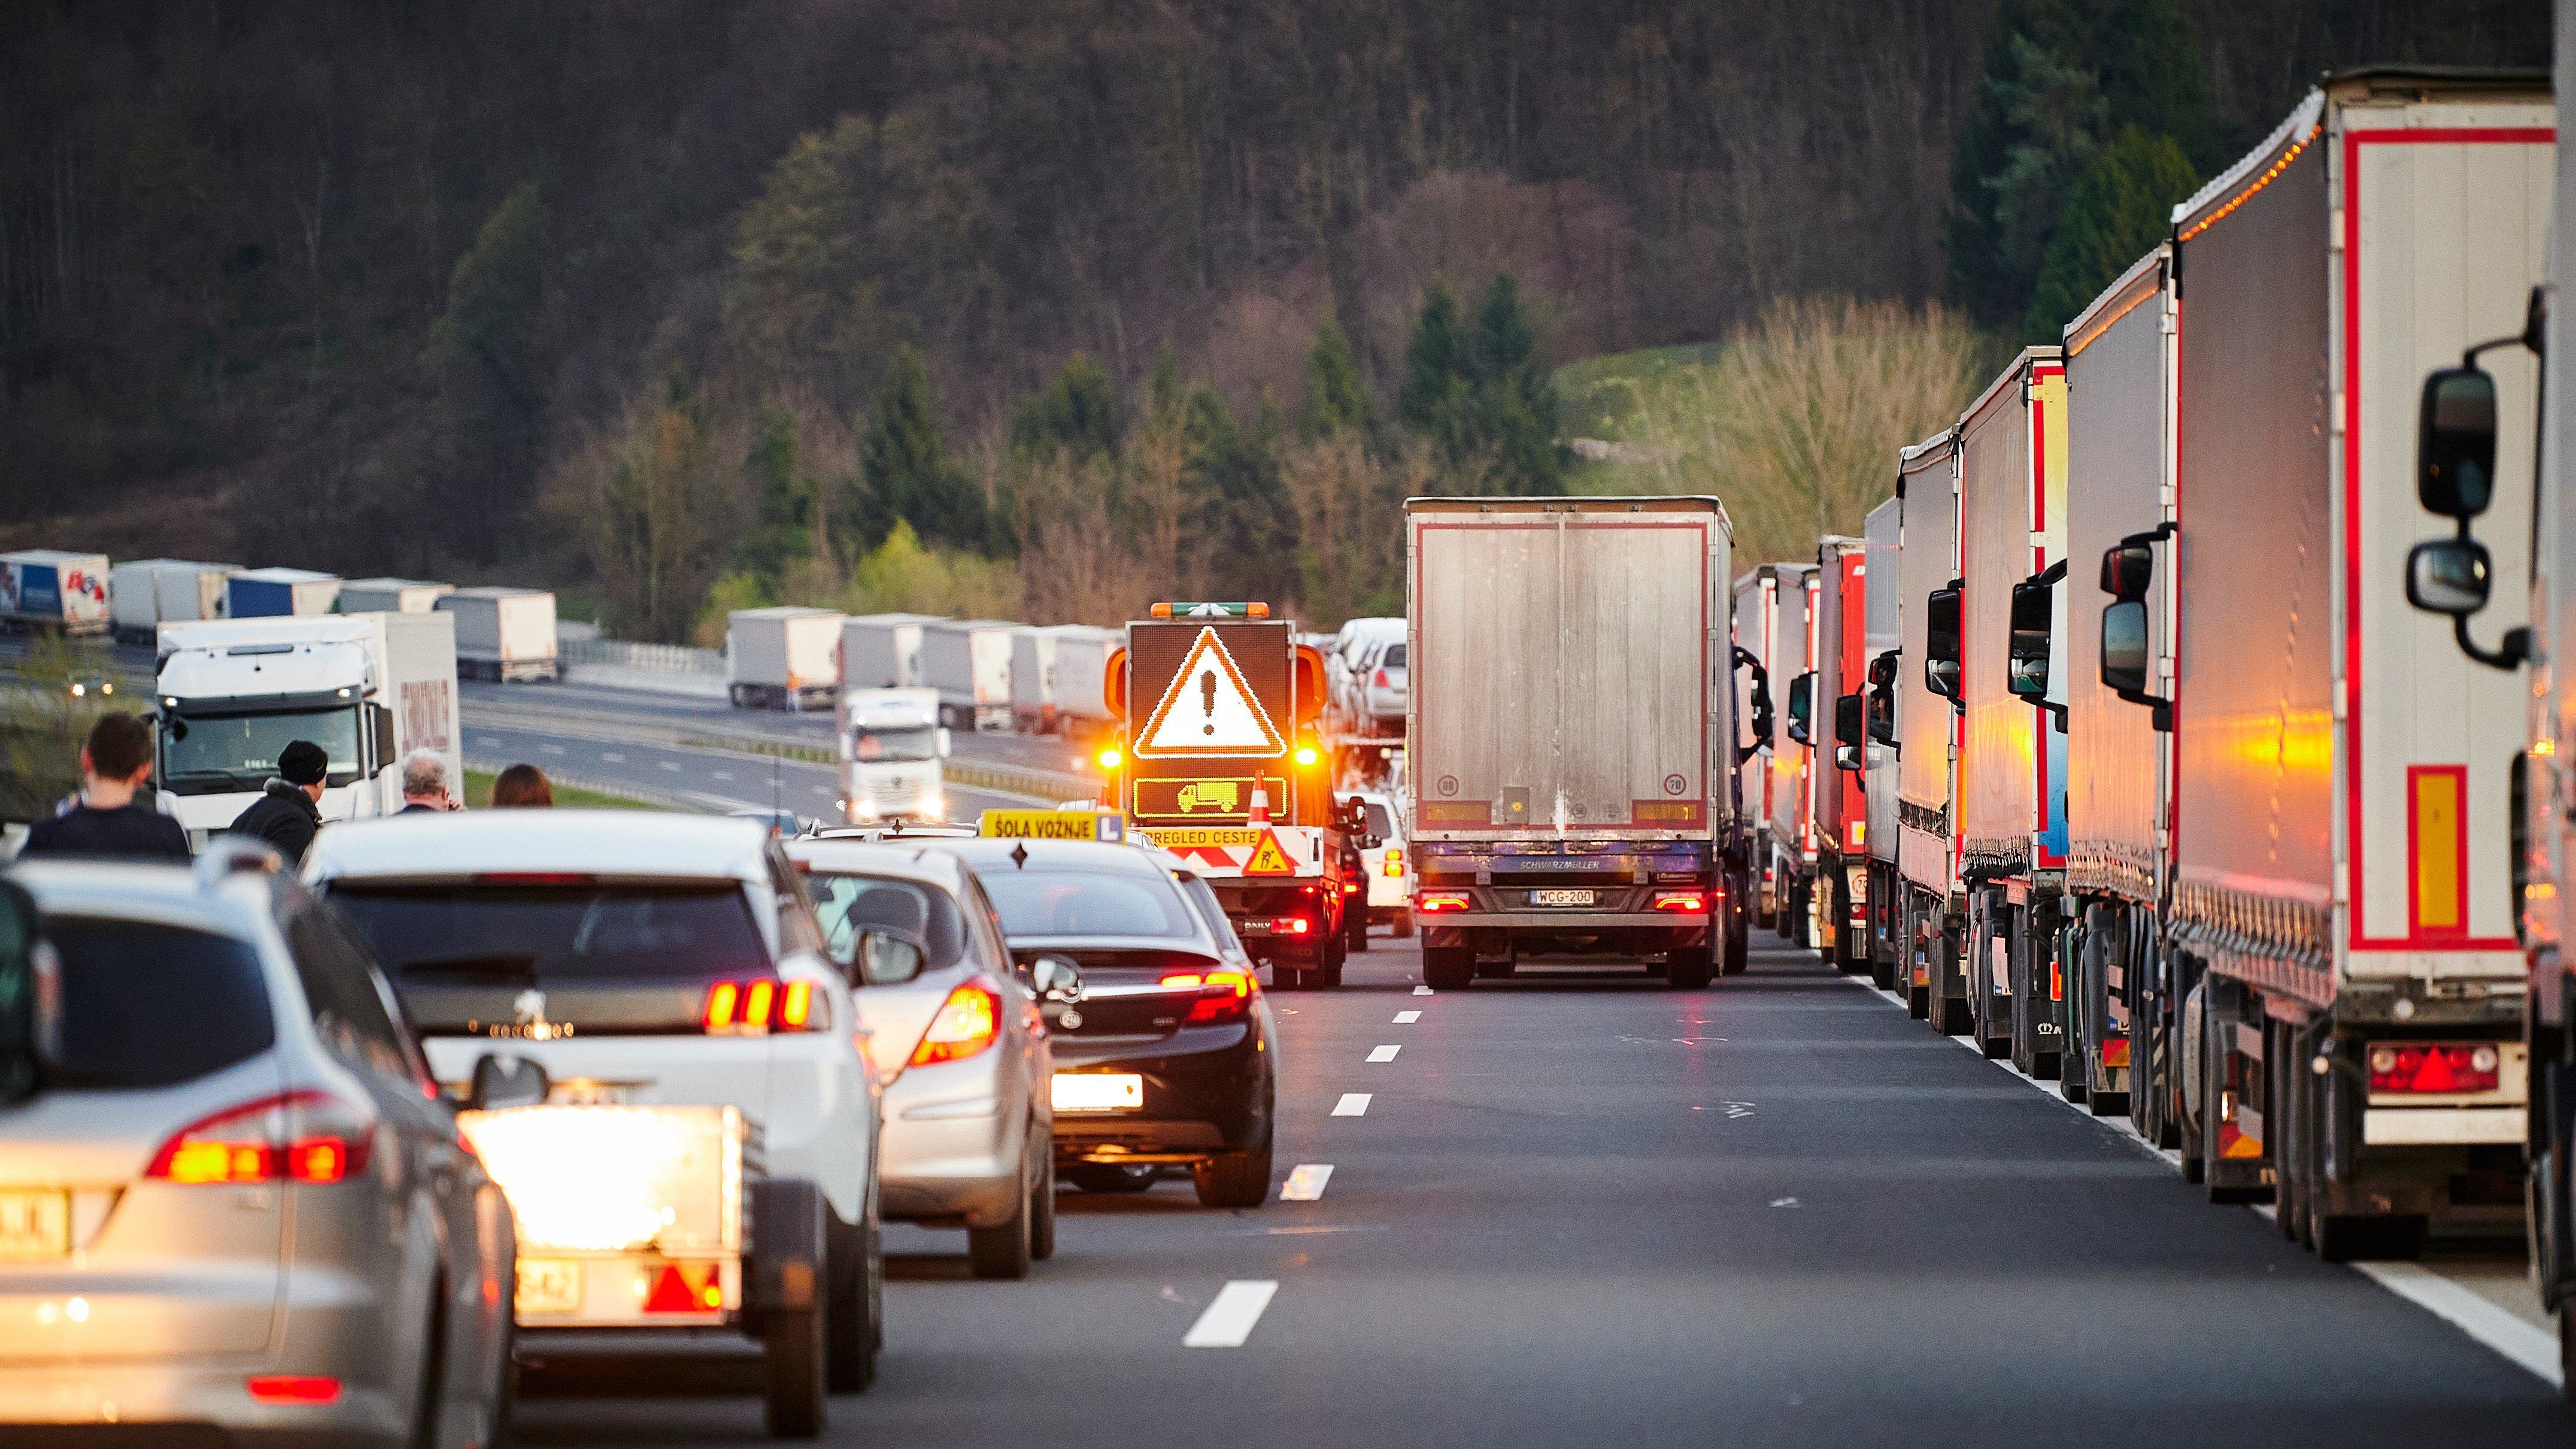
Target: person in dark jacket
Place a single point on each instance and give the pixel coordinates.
(106, 820)
(289, 808)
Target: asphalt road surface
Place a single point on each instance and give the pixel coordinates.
(692, 778)
(1576, 1208)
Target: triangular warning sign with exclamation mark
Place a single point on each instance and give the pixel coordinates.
(1208, 710)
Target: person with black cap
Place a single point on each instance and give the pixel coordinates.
(289, 808)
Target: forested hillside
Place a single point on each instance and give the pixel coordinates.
(1033, 304)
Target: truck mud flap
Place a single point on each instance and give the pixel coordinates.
(787, 1235)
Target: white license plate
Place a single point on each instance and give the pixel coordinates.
(1560, 898)
(35, 1224)
(549, 1285)
(1099, 1091)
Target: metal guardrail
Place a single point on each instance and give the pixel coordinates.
(629, 654)
(617, 789)
(1051, 786)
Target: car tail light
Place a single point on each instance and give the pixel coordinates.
(1381, 680)
(750, 1008)
(302, 1136)
(1438, 905)
(307, 1389)
(2433, 1067)
(968, 1021)
(1350, 888)
(1224, 995)
(1395, 862)
(1691, 902)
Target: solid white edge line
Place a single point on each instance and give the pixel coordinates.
(1353, 1104)
(1230, 1316)
(2534, 1348)
(2523, 1344)
(1306, 1182)
(1383, 1053)
(1407, 1018)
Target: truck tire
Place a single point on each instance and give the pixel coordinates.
(1688, 968)
(1448, 968)
(1328, 972)
(854, 1323)
(1739, 946)
(1404, 924)
(1355, 928)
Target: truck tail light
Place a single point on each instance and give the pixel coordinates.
(309, 1390)
(968, 1021)
(749, 1008)
(303, 1136)
(1686, 902)
(685, 1288)
(1290, 926)
(1223, 995)
(1439, 904)
(1394, 862)
(2433, 1068)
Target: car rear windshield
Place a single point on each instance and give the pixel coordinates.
(558, 935)
(849, 904)
(1393, 658)
(149, 1005)
(1380, 823)
(1087, 903)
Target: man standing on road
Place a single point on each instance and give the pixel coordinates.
(289, 809)
(106, 821)
(425, 787)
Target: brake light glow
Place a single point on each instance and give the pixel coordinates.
(1437, 905)
(306, 1389)
(2433, 1068)
(1382, 680)
(1394, 861)
(1691, 902)
(1350, 888)
(968, 1021)
(1224, 995)
(749, 1008)
(303, 1136)
(1291, 925)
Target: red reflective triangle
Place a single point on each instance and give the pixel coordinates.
(2436, 1074)
(672, 1293)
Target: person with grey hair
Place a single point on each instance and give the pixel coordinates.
(425, 785)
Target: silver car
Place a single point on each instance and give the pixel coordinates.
(958, 1039)
(231, 1203)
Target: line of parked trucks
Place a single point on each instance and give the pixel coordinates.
(2113, 744)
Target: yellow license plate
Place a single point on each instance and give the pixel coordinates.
(1099, 1091)
(549, 1285)
(35, 1224)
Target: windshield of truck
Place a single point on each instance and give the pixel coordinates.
(1087, 903)
(886, 746)
(210, 753)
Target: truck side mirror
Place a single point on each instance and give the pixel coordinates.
(1802, 706)
(1760, 695)
(1882, 698)
(1847, 757)
(385, 754)
(2455, 443)
(1941, 643)
(2126, 570)
(2124, 648)
(2026, 649)
(2448, 576)
(1851, 714)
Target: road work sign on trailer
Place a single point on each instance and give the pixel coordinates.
(1220, 722)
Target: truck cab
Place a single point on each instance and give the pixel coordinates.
(892, 746)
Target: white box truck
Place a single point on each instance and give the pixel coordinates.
(883, 651)
(504, 635)
(1786, 866)
(892, 746)
(1880, 532)
(1571, 737)
(49, 589)
(368, 688)
(273, 593)
(969, 662)
(1932, 904)
(1082, 654)
(783, 658)
(147, 593)
(1033, 686)
(391, 596)
(134, 598)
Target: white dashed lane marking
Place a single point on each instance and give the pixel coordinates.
(1407, 1018)
(613, 758)
(671, 765)
(1228, 1320)
(1353, 1104)
(1422, 991)
(1383, 1054)
(1306, 1183)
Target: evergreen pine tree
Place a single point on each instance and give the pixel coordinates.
(1337, 398)
(1436, 367)
(904, 462)
(1517, 408)
(1077, 415)
(2120, 210)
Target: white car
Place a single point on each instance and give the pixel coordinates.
(1342, 666)
(958, 1041)
(1382, 682)
(1389, 863)
(707, 1157)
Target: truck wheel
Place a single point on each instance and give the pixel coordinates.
(1355, 929)
(1739, 947)
(1404, 924)
(1688, 968)
(1448, 968)
(1328, 973)
(1235, 1179)
(855, 1323)
(791, 1371)
(1004, 1249)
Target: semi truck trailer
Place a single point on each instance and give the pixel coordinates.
(1570, 736)
(1932, 917)
(1880, 532)
(1836, 806)
(55, 591)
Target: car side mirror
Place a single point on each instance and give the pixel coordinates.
(2449, 576)
(945, 743)
(28, 997)
(2026, 648)
(1851, 716)
(506, 1081)
(1802, 706)
(1056, 979)
(1941, 643)
(1847, 757)
(2455, 443)
(884, 958)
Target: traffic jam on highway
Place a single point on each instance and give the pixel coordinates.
(2163, 735)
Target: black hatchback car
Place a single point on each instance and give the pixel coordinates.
(1166, 1052)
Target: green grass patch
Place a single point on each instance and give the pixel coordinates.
(478, 795)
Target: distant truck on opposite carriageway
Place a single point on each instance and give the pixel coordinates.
(48, 589)
(144, 594)
(504, 635)
(783, 658)
(969, 662)
(1571, 735)
(274, 593)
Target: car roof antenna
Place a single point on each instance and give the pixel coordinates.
(1020, 855)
